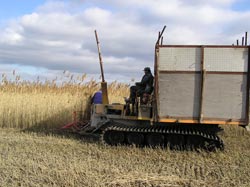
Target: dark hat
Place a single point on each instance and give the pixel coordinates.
(147, 69)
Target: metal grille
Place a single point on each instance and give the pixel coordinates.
(226, 59)
(180, 59)
(224, 87)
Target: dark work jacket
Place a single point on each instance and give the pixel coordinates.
(147, 82)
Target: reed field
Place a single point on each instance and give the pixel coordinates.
(49, 105)
(34, 152)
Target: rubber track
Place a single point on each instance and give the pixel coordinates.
(165, 131)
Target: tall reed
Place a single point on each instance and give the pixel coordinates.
(25, 104)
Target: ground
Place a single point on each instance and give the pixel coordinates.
(31, 158)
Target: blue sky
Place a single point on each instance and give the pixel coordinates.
(46, 37)
(241, 5)
(14, 8)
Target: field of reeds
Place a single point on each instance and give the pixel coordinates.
(33, 153)
(50, 104)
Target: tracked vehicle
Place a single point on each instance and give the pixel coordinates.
(196, 89)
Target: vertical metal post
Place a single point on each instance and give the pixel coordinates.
(156, 94)
(242, 43)
(203, 72)
(246, 39)
(237, 42)
(247, 91)
(161, 40)
(160, 35)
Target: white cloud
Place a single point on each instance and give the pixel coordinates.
(11, 36)
(59, 35)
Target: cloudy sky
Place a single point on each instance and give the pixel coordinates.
(47, 37)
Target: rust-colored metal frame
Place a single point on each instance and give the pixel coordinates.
(248, 85)
(203, 71)
(205, 46)
(202, 119)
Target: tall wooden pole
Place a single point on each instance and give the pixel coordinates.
(104, 85)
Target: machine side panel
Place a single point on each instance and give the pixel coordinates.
(179, 95)
(179, 82)
(225, 96)
(203, 84)
(180, 59)
(225, 85)
(226, 59)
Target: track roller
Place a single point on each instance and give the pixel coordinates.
(134, 138)
(155, 140)
(175, 137)
(114, 137)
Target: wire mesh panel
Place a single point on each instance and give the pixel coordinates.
(179, 95)
(208, 83)
(179, 59)
(225, 96)
(179, 82)
(225, 85)
(226, 59)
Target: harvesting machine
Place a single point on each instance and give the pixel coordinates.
(197, 88)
